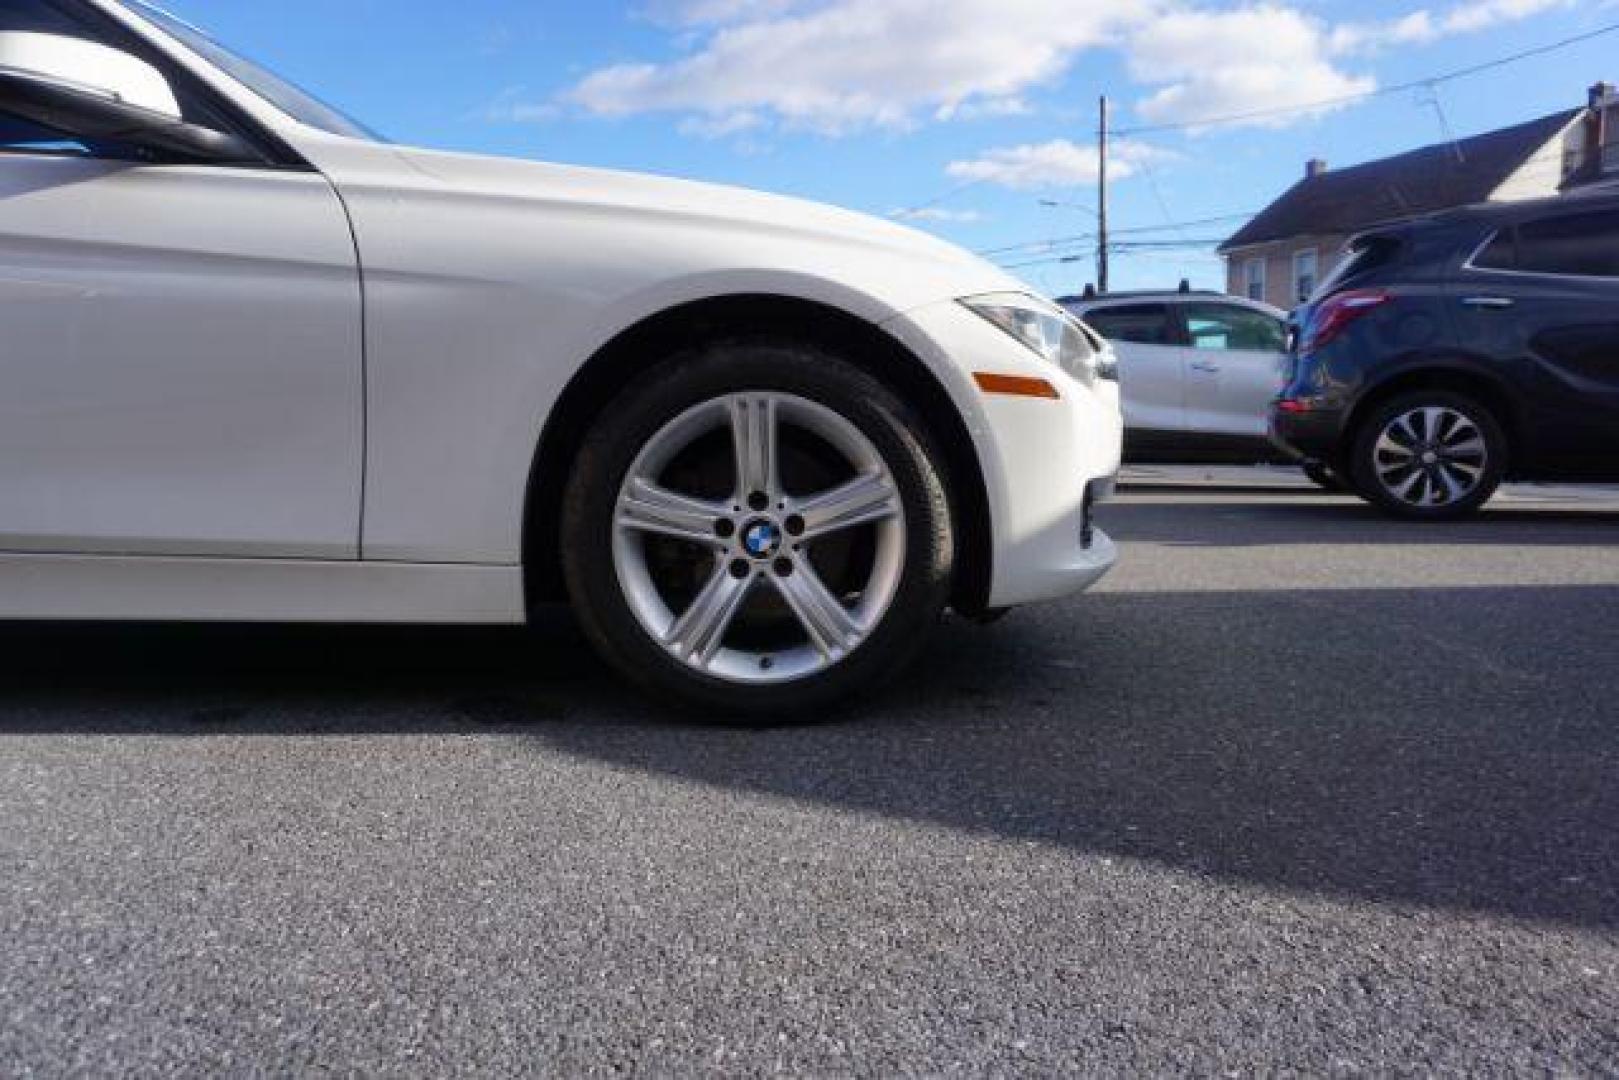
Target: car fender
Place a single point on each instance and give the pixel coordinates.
(1428, 368)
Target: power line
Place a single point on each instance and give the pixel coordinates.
(1136, 230)
(1056, 204)
(1158, 194)
(1177, 226)
(959, 189)
(1078, 255)
(1382, 91)
(1554, 155)
(1425, 84)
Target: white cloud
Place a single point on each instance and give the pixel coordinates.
(844, 66)
(939, 214)
(511, 106)
(721, 126)
(848, 65)
(715, 12)
(1413, 29)
(1229, 63)
(1422, 27)
(1055, 164)
(1267, 59)
(1485, 14)
(988, 108)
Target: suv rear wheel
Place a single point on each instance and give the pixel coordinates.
(1429, 455)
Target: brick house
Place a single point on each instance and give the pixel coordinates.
(1290, 246)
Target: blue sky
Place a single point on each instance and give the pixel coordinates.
(978, 111)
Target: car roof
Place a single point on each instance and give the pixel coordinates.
(1599, 197)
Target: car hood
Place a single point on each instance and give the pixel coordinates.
(657, 198)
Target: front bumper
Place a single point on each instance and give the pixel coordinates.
(1046, 463)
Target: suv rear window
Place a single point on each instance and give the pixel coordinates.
(1366, 253)
(1141, 324)
(1572, 245)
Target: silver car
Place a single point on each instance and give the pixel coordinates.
(1199, 371)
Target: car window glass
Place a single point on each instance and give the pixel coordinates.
(1141, 324)
(1586, 245)
(1223, 326)
(295, 102)
(1501, 253)
(26, 137)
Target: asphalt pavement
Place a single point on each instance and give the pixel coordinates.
(1298, 790)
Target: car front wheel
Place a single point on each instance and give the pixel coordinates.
(757, 529)
(1430, 456)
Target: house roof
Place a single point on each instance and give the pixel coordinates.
(1419, 182)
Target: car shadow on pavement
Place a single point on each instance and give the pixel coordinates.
(173, 679)
(1450, 748)
(1434, 748)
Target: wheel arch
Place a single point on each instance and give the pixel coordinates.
(1454, 376)
(710, 321)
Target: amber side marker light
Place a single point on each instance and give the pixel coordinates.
(1015, 386)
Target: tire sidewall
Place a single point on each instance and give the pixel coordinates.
(686, 381)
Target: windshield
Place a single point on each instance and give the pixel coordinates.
(266, 84)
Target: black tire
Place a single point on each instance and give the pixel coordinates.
(1378, 491)
(686, 382)
(1322, 476)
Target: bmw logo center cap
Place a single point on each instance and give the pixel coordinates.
(761, 539)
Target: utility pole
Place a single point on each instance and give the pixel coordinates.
(1101, 207)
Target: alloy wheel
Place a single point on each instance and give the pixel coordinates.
(773, 577)
(1430, 457)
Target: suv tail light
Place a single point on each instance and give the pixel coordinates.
(1334, 315)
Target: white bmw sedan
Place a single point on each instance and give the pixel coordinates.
(258, 364)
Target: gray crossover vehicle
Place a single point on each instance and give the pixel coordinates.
(1199, 371)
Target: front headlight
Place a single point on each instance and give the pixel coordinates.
(1046, 329)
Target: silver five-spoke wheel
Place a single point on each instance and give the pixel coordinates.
(777, 571)
(1430, 457)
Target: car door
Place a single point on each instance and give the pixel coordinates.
(1543, 299)
(1152, 376)
(1236, 367)
(180, 365)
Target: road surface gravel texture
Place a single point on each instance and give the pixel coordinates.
(1298, 789)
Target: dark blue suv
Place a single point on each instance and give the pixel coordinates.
(1451, 353)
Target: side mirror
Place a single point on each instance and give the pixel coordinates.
(86, 90)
